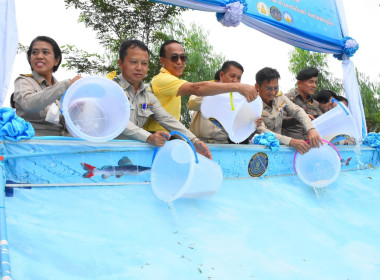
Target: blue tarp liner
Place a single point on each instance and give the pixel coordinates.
(275, 228)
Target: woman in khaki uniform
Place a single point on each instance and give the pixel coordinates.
(37, 95)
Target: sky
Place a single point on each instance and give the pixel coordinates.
(251, 48)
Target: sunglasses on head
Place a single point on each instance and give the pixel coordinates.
(175, 57)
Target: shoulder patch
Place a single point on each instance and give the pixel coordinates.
(27, 75)
(279, 93)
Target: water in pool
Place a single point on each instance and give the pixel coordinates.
(275, 228)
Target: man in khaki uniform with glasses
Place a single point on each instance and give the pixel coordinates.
(275, 104)
(168, 87)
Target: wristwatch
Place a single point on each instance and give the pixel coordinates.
(194, 140)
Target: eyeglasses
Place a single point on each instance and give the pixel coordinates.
(175, 57)
(269, 89)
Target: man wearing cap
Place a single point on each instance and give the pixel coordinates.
(169, 88)
(303, 97)
(133, 62)
(275, 104)
(230, 72)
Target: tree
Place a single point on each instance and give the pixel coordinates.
(300, 59)
(88, 63)
(370, 92)
(115, 21)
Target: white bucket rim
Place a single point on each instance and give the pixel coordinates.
(329, 144)
(235, 104)
(72, 127)
(186, 185)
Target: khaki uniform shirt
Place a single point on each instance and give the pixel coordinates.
(33, 97)
(144, 104)
(273, 117)
(292, 127)
(202, 127)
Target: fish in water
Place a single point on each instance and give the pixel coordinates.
(124, 167)
(345, 161)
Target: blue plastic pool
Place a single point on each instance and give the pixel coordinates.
(275, 228)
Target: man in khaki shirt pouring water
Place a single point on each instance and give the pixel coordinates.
(274, 106)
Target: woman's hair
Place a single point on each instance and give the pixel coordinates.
(54, 45)
(324, 96)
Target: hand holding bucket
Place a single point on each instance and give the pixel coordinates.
(95, 109)
(179, 172)
(233, 113)
(336, 124)
(319, 167)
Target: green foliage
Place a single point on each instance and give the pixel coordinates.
(89, 63)
(300, 59)
(370, 92)
(115, 21)
(22, 48)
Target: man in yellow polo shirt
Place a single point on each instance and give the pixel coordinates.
(168, 88)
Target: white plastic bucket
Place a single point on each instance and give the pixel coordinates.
(240, 122)
(176, 174)
(336, 124)
(95, 109)
(319, 167)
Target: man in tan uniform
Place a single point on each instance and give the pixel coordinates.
(230, 72)
(133, 62)
(303, 97)
(275, 104)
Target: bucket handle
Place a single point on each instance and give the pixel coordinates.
(183, 136)
(232, 101)
(294, 158)
(344, 109)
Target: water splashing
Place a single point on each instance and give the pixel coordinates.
(321, 194)
(173, 211)
(357, 151)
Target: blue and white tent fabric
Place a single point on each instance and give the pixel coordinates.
(8, 50)
(8, 44)
(317, 26)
